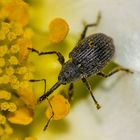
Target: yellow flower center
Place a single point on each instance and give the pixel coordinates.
(3, 50)
(5, 95)
(11, 36)
(13, 60)
(5, 79)
(4, 106)
(10, 70)
(2, 62)
(14, 48)
(5, 27)
(12, 107)
(17, 10)
(15, 39)
(29, 138)
(2, 119)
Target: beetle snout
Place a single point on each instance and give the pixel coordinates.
(66, 75)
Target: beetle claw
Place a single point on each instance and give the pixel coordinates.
(40, 99)
(98, 106)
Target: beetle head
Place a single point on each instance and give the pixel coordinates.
(69, 73)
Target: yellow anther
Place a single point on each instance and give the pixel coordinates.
(14, 48)
(3, 50)
(8, 130)
(60, 106)
(5, 79)
(1, 71)
(10, 71)
(13, 60)
(28, 76)
(2, 62)
(1, 80)
(24, 84)
(5, 27)
(24, 44)
(15, 85)
(13, 79)
(22, 116)
(29, 138)
(28, 33)
(4, 106)
(17, 29)
(14, 82)
(1, 131)
(21, 70)
(17, 10)
(12, 107)
(27, 96)
(15, 40)
(11, 36)
(2, 119)
(5, 95)
(58, 30)
(2, 35)
(3, 14)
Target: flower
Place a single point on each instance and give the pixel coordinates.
(120, 104)
(120, 108)
(15, 105)
(60, 107)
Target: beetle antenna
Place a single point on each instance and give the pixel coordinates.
(45, 95)
(46, 126)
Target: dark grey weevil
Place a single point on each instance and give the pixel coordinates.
(90, 55)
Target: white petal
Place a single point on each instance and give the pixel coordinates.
(119, 117)
(120, 20)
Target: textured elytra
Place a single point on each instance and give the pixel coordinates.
(93, 52)
(89, 56)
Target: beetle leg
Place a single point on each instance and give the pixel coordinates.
(48, 122)
(34, 80)
(113, 72)
(70, 92)
(90, 91)
(90, 25)
(60, 56)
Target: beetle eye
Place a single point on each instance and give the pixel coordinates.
(79, 65)
(68, 72)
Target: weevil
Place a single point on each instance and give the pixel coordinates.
(88, 57)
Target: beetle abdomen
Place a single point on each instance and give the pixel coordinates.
(93, 53)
